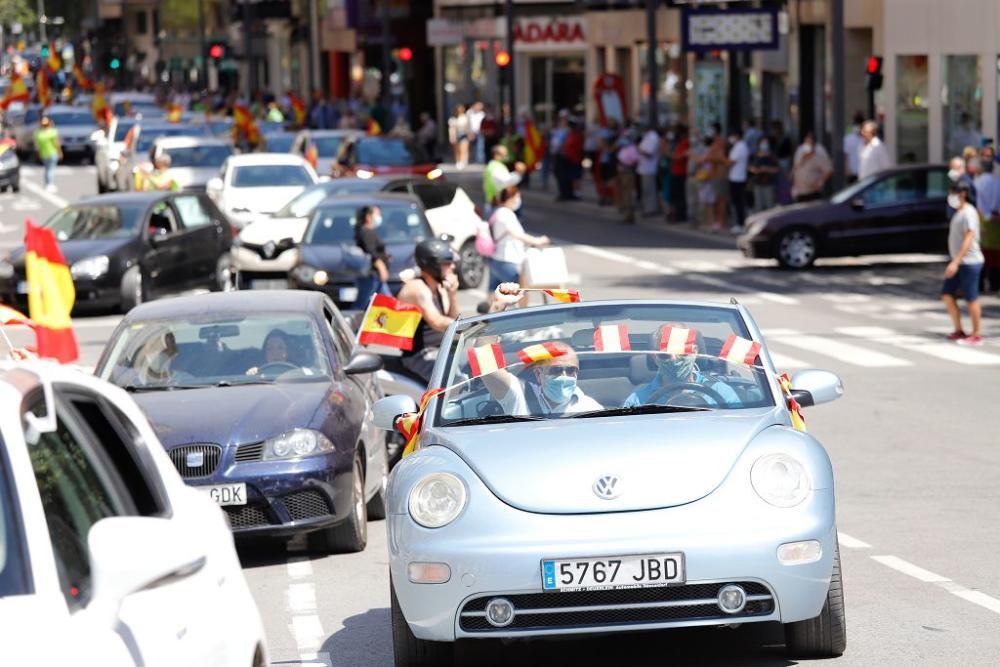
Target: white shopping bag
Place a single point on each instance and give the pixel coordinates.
(544, 267)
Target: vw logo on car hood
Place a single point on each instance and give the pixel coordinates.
(606, 487)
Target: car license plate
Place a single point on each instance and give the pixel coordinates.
(269, 284)
(645, 571)
(22, 287)
(227, 494)
(348, 293)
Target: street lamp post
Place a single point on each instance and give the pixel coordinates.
(651, 60)
(41, 20)
(511, 81)
(837, 47)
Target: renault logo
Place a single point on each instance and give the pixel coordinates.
(269, 249)
(606, 487)
(195, 459)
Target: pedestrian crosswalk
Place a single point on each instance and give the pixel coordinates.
(868, 347)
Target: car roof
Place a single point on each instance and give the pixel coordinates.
(368, 198)
(185, 142)
(729, 306)
(223, 303)
(118, 198)
(246, 159)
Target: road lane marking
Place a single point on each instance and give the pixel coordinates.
(910, 569)
(979, 598)
(852, 542)
(603, 254)
(299, 567)
(39, 191)
(942, 350)
(701, 266)
(308, 632)
(845, 352)
(778, 298)
(302, 597)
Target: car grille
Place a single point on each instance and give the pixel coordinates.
(210, 457)
(247, 453)
(247, 516)
(307, 504)
(269, 250)
(593, 609)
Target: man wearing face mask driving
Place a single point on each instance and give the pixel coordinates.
(674, 370)
(548, 388)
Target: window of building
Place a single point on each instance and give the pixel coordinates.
(911, 108)
(141, 25)
(961, 103)
(671, 73)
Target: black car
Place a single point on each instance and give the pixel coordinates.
(123, 249)
(903, 209)
(10, 169)
(329, 257)
(261, 401)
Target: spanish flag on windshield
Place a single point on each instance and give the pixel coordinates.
(389, 323)
(50, 294)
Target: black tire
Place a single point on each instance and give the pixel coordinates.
(377, 508)
(225, 276)
(471, 266)
(101, 187)
(796, 248)
(350, 535)
(16, 187)
(133, 289)
(3, 188)
(826, 635)
(409, 651)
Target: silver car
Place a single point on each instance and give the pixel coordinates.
(194, 160)
(608, 467)
(75, 126)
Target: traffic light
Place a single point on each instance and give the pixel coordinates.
(502, 59)
(115, 64)
(873, 69)
(406, 54)
(45, 51)
(217, 50)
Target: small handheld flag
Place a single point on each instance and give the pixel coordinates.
(409, 424)
(564, 295)
(611, 338)
(541, 352)
(389, 323)
(486, 359)
(738, 350)
(677, 340)
(10, 316)
(794, 409)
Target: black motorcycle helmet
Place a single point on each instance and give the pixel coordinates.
(430, 254)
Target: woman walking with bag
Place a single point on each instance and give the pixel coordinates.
(510, 238)
(368, 218)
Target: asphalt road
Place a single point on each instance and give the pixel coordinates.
(914, 444)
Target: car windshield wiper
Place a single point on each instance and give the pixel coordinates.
(638, 410)
(495, 419)
(240, 383)
(131, 388)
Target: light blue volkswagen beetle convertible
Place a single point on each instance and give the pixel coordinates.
(609, 467)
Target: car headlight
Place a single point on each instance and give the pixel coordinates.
(113, 164)
(321, 278)
(9, 158)
(755, 227)
(780, 480)
(6, 269)
(296, 444)
(437, 500)
(92, 267)
(304, 273)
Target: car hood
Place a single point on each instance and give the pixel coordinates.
(660, 460)
(261, 200)
(263, 230)
(800, 210)
(74, 251)
(232, 415)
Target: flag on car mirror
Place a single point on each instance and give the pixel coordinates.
(486, 359)
(542, 352)
(794, 409)
(50, 294)
(678, 340)
(389, 323)
(611, 338)
(738, 350)
(409, 424)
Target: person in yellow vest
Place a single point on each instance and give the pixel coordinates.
(157, 178)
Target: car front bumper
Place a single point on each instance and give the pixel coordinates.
(255, 267)
(91, 293)
(755, 246)
(10, 175)
(500, 556)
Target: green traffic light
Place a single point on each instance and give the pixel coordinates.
(45, 52)
(115, 63)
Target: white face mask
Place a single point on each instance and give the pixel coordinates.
(515, 202)
(954, 174)
(954, 201)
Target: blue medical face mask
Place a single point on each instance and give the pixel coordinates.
(377, 220)
(559, 389)
(677, 368)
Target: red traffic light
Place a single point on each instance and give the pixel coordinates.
(873, 65)
(502, 59)
(215, 51)
(406, 54)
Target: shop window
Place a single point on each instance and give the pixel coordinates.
(671, 78)
(911, 108)
(961, 104)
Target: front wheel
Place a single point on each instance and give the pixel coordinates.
(225, 276)
(471, 266)
(350, 535)
(826, 635)
(410, 651)
(133, 289)
(797, 249)
(377, 508)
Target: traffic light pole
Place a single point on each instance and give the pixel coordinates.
(651, 43)
(511, 80)
(201, 41)
(839, 90)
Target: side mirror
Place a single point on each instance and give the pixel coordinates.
(363, 362)
(214, 185)
(129, 554)
(858, 203)
(814, 387)
(387, 409)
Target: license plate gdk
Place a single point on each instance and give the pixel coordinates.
(227, 494)
(614, 572)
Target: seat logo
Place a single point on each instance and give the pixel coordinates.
(606, 487)
(195, 459)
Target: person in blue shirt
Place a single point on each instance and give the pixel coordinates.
(676, 369)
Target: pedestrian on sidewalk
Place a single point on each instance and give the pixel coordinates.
(853, 143)
(497, 177)
(962, 272)
(717, 158)
(764, 170)
(874, 156)
(458, 136)
(628, 158)
(476, 114)
(608, 164)
(511, 239)
(811, 171)
(738, 162)
(649, 162)
(679, 154)
(49, 150)
(570, 158)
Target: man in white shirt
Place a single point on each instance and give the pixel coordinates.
(476, 114)
(852, 148)
(548, 389)
(874, 156)
(738, 161)
(649, 161)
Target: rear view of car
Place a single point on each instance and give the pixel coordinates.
(194, 161)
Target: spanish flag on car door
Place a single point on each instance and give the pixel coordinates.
(50, 294)
(389, 323)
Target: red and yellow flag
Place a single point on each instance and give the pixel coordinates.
(534, 149)
(312, 155)
(373, 128)
(390, 323)
(541, 352)
(677, 340)
(16, 92)
(798, 420)
(131, 136)
(174, 112)
(43, 89)
(298, 108)
(82, 82)
(740, 350)
(244, 122)
(611, 338)
(10, 316)
(54, 62)
(409, 424)
(99, 106)
(486, 359)
(564, 295)
(50, 294)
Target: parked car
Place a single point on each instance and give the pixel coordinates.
(365, 157)
(75, 128)
(259, 183)
(326, 142)
(10, 169)
(124, 249)
(194, 161)
(261, 401)
(102, 546)
(903, 209)
(697, 504)
(141, 152)
(329, 258)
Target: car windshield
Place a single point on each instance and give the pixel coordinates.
(216, 350)
(219, 126)
(147, 135)
(581, 361)
(271, 176)
(402, 223)
(389, 153)
(327, 146)
(13, 573)
(71, 118)
(852, 191)
(305, 203)
(93, 222)
(197, 157)
(122, 129)
(126, 108)
(278, 142)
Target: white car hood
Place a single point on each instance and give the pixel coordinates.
(263, 230)
(193, 177)
(660, 460)
(260, 200)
